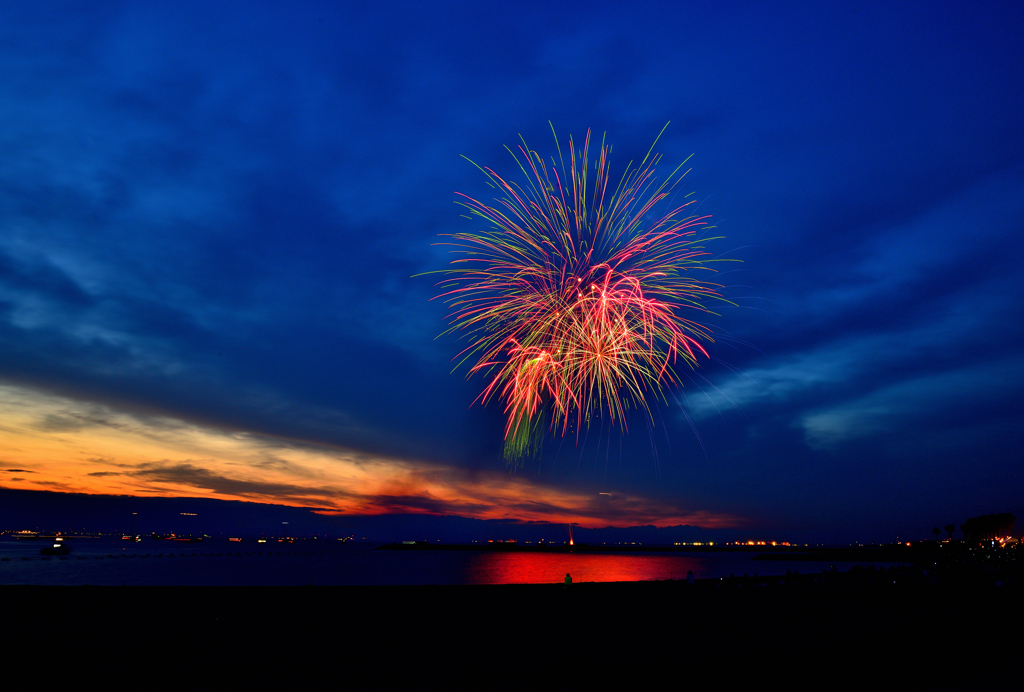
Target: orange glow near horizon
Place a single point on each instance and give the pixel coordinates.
(53, 443)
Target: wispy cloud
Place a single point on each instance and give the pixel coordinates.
(916, 407)
(112, 452)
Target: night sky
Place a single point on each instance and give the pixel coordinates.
(211, 217)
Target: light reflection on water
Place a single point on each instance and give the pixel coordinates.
(542, 568)
(216, 562)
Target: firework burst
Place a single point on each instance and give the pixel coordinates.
(575, 295)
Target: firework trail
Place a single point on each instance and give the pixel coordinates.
(574, 295)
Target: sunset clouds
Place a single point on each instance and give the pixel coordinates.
(54, 443)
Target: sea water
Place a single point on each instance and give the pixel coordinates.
(218, 562)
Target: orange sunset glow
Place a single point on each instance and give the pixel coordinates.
(54, 443)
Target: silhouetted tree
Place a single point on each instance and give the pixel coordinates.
(950, 528)
(936, 531)
(987, 527)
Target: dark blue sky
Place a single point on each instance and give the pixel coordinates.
(209, 218)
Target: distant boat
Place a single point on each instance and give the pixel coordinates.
(58, 548)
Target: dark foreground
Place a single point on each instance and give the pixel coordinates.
(593, 624)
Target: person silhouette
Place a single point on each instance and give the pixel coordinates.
(568, 579)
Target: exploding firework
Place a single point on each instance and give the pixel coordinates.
(575, 296)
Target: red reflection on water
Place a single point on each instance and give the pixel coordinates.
(547, 568)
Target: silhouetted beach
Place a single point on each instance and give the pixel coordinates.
(645, 621)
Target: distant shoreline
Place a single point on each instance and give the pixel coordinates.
(898, 553)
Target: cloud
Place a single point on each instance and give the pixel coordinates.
(150, 455)
(969, 329)
(792, 378)
(919, 406)
(193, 474)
